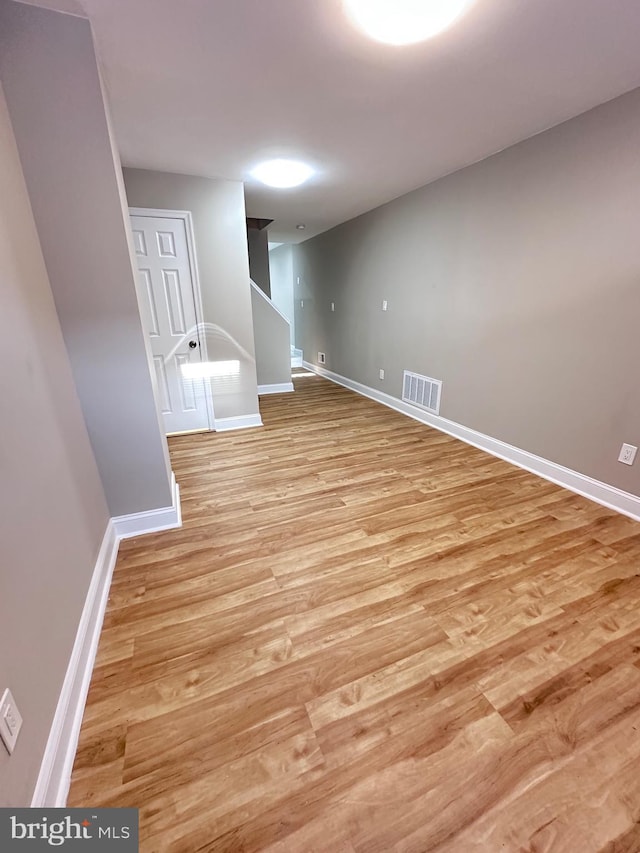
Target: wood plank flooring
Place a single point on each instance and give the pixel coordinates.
(369, 636)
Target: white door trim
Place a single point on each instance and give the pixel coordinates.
(187, 218)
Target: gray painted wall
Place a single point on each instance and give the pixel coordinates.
(516, 281)
(258, 247)
(281, 267)
(53, 91)
(272, 340)
(218, 212)
(52, 507)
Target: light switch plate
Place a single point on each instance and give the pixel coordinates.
(10, 720)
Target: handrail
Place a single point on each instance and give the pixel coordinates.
(270, 301)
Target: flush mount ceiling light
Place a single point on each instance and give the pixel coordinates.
(301, 226)
(404, 21)
(282, 173)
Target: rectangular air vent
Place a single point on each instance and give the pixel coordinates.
(422, 391)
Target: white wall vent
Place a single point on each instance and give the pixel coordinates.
(321, 358)
(422, 391)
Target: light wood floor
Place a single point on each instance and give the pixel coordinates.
(369, 637)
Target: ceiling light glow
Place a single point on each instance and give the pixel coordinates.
(282, 173)
(404, 21)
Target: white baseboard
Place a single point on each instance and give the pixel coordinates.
(280, 388)
(55, 771)
(153, 520)
(595, 490)
(54, 777)
(241, 422)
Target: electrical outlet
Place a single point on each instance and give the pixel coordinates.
(381, 373)
(302, 303)
(10, 720)
(321, 358)
(384, 304)
(627, 454)
(333, 306)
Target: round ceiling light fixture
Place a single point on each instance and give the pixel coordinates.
(400, 22)
(282, 173)
(301, 226)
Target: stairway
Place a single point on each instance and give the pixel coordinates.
(296, 357)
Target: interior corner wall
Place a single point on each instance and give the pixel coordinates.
(53, 512)
(515, 281)
(281, 270)
(53, 91)
(258, 248)
(219, 224)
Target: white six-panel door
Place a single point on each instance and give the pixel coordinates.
(169, 318)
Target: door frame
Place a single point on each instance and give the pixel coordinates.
(187, 218)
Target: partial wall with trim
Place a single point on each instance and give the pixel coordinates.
(82, 439)
(72, 171)
(53, 511)
(219, 226)
(271, 336)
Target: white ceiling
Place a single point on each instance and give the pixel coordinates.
(210, 87)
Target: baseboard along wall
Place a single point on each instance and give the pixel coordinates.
(595, 490)
(52, 786)
(241, 422)
(279, 388)
(153, 520)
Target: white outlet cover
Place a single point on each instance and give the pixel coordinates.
(333, 306)
(10, 721)
(627, 454)
(381, 373)
(384, 304)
